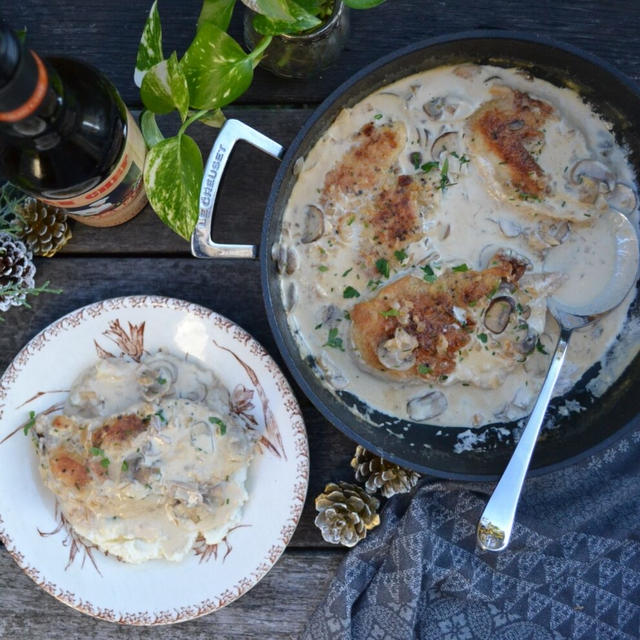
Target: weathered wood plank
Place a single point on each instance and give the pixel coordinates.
(295, 585)
(218, 285)
(241, 202)
(106, 34)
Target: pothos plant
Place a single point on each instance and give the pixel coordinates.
(212, 73)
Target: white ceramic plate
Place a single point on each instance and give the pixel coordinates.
(156, 592)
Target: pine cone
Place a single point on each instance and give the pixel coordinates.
(16, 272)
(346, 513)
(377, 473)
(44, 228)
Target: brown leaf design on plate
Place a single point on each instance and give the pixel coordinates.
(132, 343)
(272, 426)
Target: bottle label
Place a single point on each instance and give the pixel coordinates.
(120, 196)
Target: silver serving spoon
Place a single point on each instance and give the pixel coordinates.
(496, 522)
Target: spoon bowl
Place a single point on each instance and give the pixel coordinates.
(571, 312)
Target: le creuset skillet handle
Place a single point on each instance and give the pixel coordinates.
(202, 246)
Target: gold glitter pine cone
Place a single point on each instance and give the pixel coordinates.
(16, 271)
(44, 228)
(379, 474)
(345, 513)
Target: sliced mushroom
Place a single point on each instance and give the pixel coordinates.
(202, 437)
(588, 190)
(287, 260)
(331, 316)
(623, 199)
(156, 378)
(434, 108)
(446, 142)
(509, 228)
(527, 344)
(290, 296)
(313, 224)
(491, 251)
(497, 316)
(427, 406)
(446, 230)
(197, 393)
(594, 170)
(297, 166)
(397, 352)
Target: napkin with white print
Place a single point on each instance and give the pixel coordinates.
(572, 569)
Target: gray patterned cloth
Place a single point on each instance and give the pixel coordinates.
(572, 569)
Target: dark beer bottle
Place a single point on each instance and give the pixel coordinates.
(66, 137)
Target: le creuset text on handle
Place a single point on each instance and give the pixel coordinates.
(202, 246)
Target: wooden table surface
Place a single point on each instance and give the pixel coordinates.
(143, 256)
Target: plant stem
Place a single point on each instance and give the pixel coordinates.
(196, 116)
(256, 54)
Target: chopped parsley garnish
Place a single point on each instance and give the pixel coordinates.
(377, 116)
(429, 275)
(350, 292)
(383, 267)
(461, 268)
(351, 219)
(492, 292)
(318, 326)
(401, 255)
(416, 158)
(323, 267)
(373, 284)
(443, 378)
(519, 307)
(222, 427)
(347, 272)
(347, 315)
(96, 451)
(461, 159)
(540, 347)
(29, 423)
(105, 462)
(482, 337)
(161, 380)
(125, 466)
(523, 195)
(444, 175)
(428, 166)
(160, 415)
(334, 340)
(390, 313)
(424, 369)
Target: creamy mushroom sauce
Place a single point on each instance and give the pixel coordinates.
(147, 457)
(471, 218)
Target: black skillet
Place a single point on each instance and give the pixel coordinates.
(435, 450)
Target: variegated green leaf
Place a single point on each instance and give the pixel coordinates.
(149, 127)
(218, 12)
(164, 88)
(274, 9)
(172, 177)
(216, 68)
(362, 4)
(212, 118)
(150, 47)
(303, 21)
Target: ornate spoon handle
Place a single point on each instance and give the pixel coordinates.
(496, 522)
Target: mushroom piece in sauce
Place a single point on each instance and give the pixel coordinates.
(446, 142)
(313, 224)
(497, 316)
(623, 199)
(427, 406)
(397, 352)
